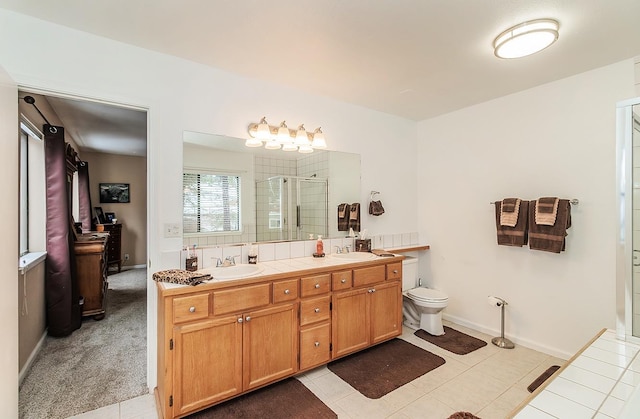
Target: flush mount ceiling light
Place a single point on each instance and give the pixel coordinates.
(526, 38)
(281, 137)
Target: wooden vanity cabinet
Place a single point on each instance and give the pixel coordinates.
(218, 342)
(315, 321)
(223, 343)
(369, 313)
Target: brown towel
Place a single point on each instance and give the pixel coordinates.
(180, 276)
(376, 208)
(343, 217)
(516, 235)
(509, 211)
(550, 238)
(354, 216)
(546, 211)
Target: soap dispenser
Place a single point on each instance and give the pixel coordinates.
(319, 248)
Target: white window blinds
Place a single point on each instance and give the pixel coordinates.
(211, 203)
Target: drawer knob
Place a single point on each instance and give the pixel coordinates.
(248, 318)
(344, 281)
(192, 309)
(240, 320)
(287, 292)
(317, 344)
(395, 271)
(317, 285)
(317, 310)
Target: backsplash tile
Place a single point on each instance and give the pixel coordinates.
(208, 253)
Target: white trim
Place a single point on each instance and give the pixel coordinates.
(524, 342)
(30, 260)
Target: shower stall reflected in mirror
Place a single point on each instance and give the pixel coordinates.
(291, 208)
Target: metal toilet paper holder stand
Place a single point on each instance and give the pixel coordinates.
(501, 342)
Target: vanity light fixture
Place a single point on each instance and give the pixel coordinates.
(281, 137)
(526, 38)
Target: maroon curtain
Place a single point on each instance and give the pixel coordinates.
(84, 195)
(61, 285)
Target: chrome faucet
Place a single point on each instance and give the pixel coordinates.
(346, 249)
(230, 260)
(338, 250)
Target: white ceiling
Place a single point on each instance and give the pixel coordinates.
(412, 58)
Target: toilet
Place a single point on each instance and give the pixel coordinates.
(421, 307)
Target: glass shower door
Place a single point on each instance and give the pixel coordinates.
(310, 202)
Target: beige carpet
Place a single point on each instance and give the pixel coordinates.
(102, 363)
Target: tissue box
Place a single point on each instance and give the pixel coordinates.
(363, 245)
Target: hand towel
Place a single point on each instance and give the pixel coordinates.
(343, 217)
(550, 238)
(180, 276)
(516, 235)
(376, 208)
(509, 210)
(546, 211)
(354, 216)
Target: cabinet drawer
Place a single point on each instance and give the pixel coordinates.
(285, 290)
(314, 345)
(367, 276)
(394, 271)
(315, 285)
(192, 307)
(341, 280)
(315, 310)
(236, 300)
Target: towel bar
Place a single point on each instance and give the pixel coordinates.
(573, 201)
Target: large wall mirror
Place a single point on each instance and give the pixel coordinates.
(237, 194)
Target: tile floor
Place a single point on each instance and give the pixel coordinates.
(489, 382)
(596, 384)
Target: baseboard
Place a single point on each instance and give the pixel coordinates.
(126, 268)
(494, 332)
(32, 356)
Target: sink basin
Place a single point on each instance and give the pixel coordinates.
(355, 256)
(233, 272)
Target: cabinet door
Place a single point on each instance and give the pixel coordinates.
(270, 344)
(207, 363)
(350, 321)
(386, 311)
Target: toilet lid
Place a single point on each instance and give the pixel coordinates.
(428, 294)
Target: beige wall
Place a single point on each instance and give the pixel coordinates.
(113, 168)
(32, 320)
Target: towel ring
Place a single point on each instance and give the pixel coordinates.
(373, 194)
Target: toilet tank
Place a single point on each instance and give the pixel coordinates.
(409, 273)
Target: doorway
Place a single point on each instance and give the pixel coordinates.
(112, 138)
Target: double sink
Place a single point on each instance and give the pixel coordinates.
(247, 270)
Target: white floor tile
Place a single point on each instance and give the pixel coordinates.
(612, 407)
(561, 407)
(576, 392)
(599, 367)
(588, 379)
(107, 412)
(530, 412)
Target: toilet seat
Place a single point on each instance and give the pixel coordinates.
(427, 295)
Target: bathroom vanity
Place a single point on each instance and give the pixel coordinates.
(223, 338)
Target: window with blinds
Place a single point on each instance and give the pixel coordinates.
(211, 203)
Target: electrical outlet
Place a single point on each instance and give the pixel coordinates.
(126, 256)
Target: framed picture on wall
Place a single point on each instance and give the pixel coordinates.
(114, 193)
